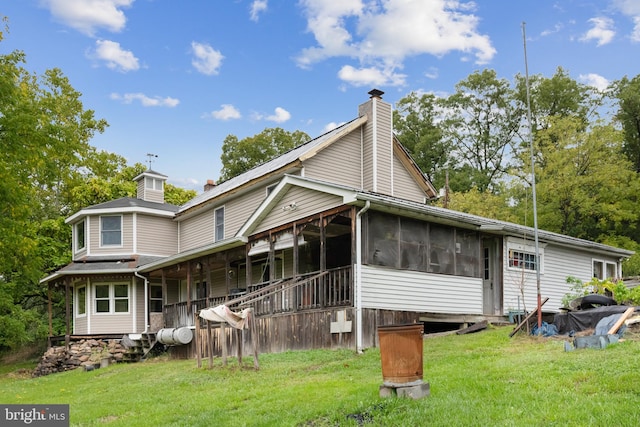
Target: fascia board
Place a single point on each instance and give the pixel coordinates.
(87, 212)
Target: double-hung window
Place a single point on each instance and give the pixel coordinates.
(81, 240)
(219, 223)
(112, 298)
(111, 230)
(81, 301)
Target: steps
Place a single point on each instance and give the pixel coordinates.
(138, 346)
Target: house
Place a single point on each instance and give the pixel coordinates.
(325, 243)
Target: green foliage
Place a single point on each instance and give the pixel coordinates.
(480, 124)
(577, 290)
(239, 156)
(415, 123)
(628, 94)
(177, 196)
(615, 289)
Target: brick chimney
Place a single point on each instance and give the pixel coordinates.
(209, 185)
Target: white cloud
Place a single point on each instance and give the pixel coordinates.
(257, 7)
(116, 57)
(632, 9)
(602, 31)
(331, 126)
(594, 80)
(280, 115)
(87, 16)
(206, 59)
(371, 76)
(146, 101)
(383, 34)
(227, 112)
(556, 29)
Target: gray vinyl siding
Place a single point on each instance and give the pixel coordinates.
(139, 304)
(127, 237)
(367, 153)
(404, 185)
(149, 194)
(308, 202)
(156, 235)
(385, 147)
(339, 163)
(404, 290)
(558, 264)
(238, 210)
(197, 231)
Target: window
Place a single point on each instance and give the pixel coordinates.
(111, 230)
(604, 270)
(521, 255)
(523, 260)
(155, 299)
(81, 301)
(153, 183)
(112, 298)
(219, 223)
(410, 244)
(80, 236)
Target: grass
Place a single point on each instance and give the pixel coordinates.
(482, 379)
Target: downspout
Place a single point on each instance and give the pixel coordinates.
(358, 284)
(146, 301)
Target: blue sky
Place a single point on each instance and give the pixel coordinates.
(175, 78)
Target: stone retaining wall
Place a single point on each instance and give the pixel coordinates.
(86, 353)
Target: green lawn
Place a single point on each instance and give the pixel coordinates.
(482, 379)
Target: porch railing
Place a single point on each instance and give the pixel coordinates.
(331, 288)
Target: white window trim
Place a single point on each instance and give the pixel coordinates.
(604, 263)
(112, 299)
(76, 300)
(215, 223)
(76, 248)
(525, 247)
(121, 232)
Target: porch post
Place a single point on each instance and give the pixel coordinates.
(189, 312)
(67, 304)
(50, 310)
(320, 295)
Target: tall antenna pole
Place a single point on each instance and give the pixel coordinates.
(533, 178)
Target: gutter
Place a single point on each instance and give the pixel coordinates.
(358, 284)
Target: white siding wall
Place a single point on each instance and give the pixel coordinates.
(156, 236)
(404, 185)
(308, 202)
(339, 163)
(558, 264)
(404, 290)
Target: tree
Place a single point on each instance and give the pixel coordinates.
(628, 94)
(558, 96)
(415, 121)
(586, 187)
(239, 156)
(481, 122)
(44, 134)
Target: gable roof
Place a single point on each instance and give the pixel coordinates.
(280, 163)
